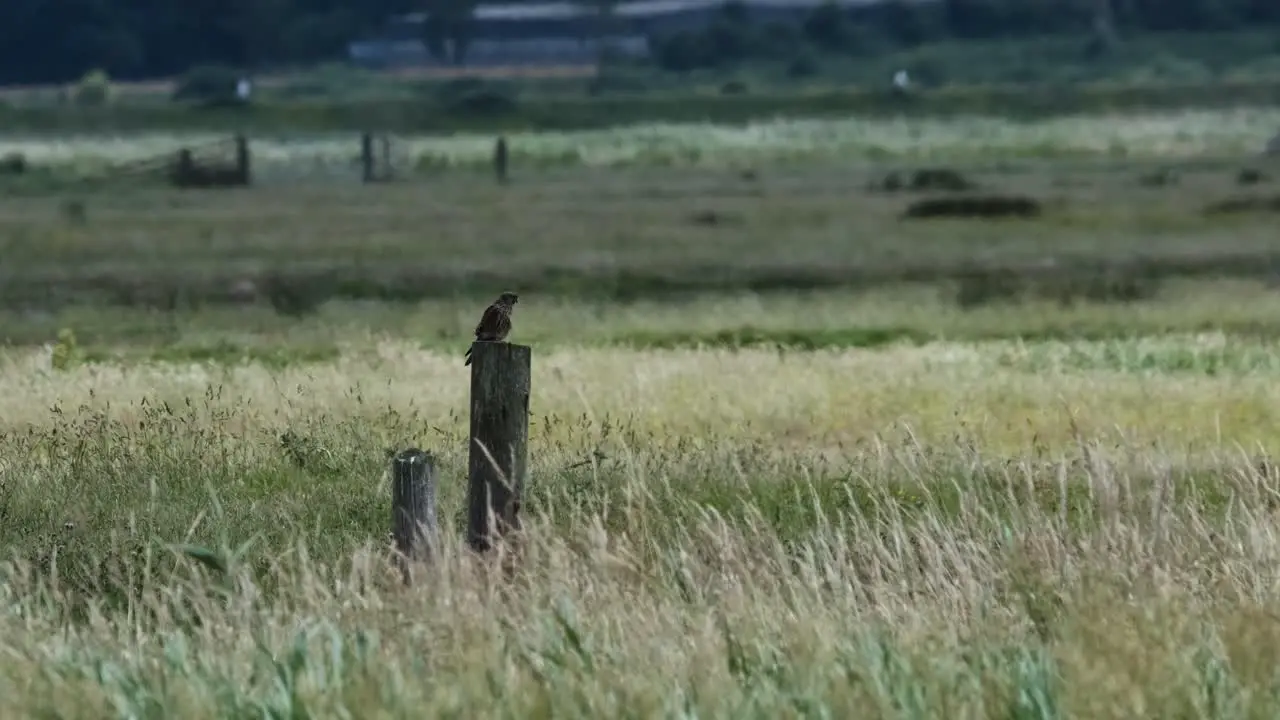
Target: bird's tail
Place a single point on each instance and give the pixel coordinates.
(468, 356)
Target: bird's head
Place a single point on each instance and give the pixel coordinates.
(507, 298)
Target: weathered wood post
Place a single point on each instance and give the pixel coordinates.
(413, 508)
(500, 159)
(366, 157)
(184, 169)
(385, 142)
(243, 169)
(500, 374)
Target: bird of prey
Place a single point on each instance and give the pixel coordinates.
(496, 321)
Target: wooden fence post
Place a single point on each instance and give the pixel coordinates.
(500, 374)
(386, 156)
(184, 169)
(413, 507)
(242, 159)
(366, 156)
(500, 159)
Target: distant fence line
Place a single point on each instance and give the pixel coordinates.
(228, 162)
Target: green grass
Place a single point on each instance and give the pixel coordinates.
(622, 234)
(797, 321)
(860, 531)
(845, 494)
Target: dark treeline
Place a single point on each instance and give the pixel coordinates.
(59, 40)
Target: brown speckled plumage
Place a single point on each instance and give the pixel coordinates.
(495, 324)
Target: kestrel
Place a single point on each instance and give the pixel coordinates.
(496, 321)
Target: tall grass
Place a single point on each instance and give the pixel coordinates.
(1129, 602)
(948, 530)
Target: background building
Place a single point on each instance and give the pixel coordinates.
(566, 33)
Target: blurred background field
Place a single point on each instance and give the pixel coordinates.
(973, 139)
(950, 402)
(1106, 228)
(813, 449)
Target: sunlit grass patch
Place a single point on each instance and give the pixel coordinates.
(1205, 354)
(1003, 393)
(1186, 133)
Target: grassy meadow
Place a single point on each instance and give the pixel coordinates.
(791, 454)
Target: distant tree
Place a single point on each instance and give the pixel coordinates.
(828, 27)
(604, 23)
(1191, 15)
(1262, 11)
(973, 18)
(1105, 38)
(94, 89)
(259, 26)
(57, 41)
(730, 38)
(908, 22)
(209, 85)
(316, 36)
(111, 47)
(682, 51)
(448, 29)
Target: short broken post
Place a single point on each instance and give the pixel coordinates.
(243, 163)
(367, 166)
(500, 160)
(413, 508)
(500, 374)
